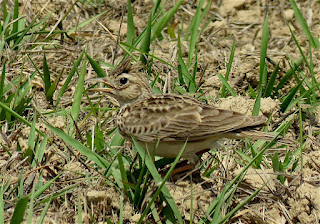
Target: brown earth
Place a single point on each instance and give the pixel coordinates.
(297, 200)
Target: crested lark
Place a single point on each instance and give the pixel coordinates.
(170, 120)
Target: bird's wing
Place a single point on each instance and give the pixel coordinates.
(215, 120)
(172, 117)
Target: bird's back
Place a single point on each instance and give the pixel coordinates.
(171, 117)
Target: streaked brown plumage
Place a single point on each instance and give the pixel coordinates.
(173, 119)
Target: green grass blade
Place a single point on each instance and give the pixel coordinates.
(58, 194)
(54, 85)
(78, 94)
(263, 67)
(304, 57)
(40, 151)
(68, 79)
(217, 211)
(164, 20)
(22, 96)
(145, 44)
(227, 193)
(145, 36)
(32, 24)
(185, 77)
(288, 74)
(299, 47)
(44, 187)
(194, 32)
(4, 10)
(233, 49)
(275, 162)
(18, 117)
(79, 208)
(263, 52)
(226, 85)
(204, 12)
(35, 27)
(257, 104)
(234, 180)
(44, 212)
(96, 67)
(254, 152)
(117, 140)
(2, 43)
(314, 42)
(113, 170)
(305, 80)
(130, 27)
(158, 180)
(290, 97)
(133, 57)
(15, 16)
(240, 205)
(313, 78)
(36, 67)
(86, 22)
(195, 69)
(298, 99)
(101, 162)
(157, 6)
(46, 78)
(6, 25)
(124, 177)
(3, 75)
(141, 186)
(19, 210)
(301, 138)
(112, 66)
(155, 213)
(31, 139)
(224, 199)
(31, 205)
(271, 82)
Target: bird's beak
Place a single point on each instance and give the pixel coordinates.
(104, 80)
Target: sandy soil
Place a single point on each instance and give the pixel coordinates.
(295, 201)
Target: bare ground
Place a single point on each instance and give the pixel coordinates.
(295, 201)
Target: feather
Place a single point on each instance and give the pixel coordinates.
(170, 117)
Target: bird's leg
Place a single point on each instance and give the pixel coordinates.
(184, 166)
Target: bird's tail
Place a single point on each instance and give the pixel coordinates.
(259, 135)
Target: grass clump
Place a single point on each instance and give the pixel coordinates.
(47, 85)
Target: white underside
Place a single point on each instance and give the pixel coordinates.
(172, 149)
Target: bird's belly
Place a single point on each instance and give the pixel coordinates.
(170, 149)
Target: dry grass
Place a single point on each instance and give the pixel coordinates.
(80, 185)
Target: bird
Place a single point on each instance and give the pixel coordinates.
(168, 121)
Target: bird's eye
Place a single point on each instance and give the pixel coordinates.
(123, 81)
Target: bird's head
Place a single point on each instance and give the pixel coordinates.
(126, 83)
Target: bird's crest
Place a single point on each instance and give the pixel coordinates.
(126, 67)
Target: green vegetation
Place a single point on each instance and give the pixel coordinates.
(28, 52)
